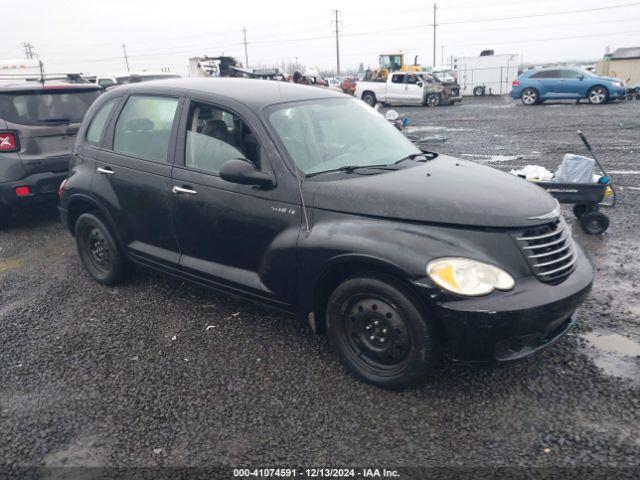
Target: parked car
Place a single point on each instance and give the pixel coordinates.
(535, 86)
(348, 85)
(107, 81)
(38, 125)
(310, 201)
(413, 88)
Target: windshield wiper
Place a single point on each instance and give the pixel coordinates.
(413, 156)
(353, 168)
(54, 120)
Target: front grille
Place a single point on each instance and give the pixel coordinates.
(549, 250)
(455, 92)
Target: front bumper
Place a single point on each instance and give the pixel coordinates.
(43, 188)
(507, 326)
(616, 93)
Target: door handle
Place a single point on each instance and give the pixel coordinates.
(105, 171)
(178, 190)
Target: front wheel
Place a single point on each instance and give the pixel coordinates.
(530, 96)
(598, 95)
(99, 252)
(433, 100)
(380, 333)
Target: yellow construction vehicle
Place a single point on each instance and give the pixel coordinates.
(392, 62)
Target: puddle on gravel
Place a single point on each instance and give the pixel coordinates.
(7, 264)
(615, 354)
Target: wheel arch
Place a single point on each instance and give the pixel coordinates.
(341, 267)
(79, 204)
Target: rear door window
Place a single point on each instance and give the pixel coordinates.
(397, 78)
(144, 126)
(99, 122)
(45, 107)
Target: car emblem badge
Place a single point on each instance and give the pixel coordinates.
(555, 213)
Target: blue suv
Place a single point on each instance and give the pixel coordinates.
(535, 86)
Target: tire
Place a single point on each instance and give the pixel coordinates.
(478, 92)
(433, 100)
(594, 223)
(598, 95)
(530, 96)
(100, 254)
(369, 98)
(380, 333)
(580, 209)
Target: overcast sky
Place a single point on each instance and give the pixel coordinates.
(86, 35)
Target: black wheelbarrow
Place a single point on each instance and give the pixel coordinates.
(587, 198)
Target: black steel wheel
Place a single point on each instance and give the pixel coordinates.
(98, 251)
(380, 333)
(369, 98)
(433, 99)
(594, 223)
(580, 209)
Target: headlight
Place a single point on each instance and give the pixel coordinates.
(468, 277)
(617, 84)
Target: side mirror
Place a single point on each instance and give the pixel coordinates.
(244, 172)
(580, 77)
(419, 83)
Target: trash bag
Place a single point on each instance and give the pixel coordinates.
(575, 169)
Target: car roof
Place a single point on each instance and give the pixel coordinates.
(254, 93)
(31, 86)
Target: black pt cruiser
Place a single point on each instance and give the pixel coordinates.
(309, 200)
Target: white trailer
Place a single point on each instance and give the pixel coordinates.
(486, 75)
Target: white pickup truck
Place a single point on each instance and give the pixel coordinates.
(413, 88)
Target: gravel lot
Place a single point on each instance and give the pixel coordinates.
(160, 373)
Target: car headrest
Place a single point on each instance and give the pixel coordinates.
(139, 125)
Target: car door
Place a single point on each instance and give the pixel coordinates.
(133, 176)
(238, 237)
(396, 88)
(572, 83)
(414, 90)
(550, 83)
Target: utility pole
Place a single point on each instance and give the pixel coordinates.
(246, 54)
(435, 7)
(126, 57)
(337, 21)
(28, 50)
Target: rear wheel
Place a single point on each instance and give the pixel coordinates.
(380, 333)
(99, 252)
(594, 223)
(478, 91)
(598, 95)
(530, 96)
(369, 98)
(433, 99)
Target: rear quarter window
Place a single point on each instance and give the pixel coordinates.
(144, 127)
(41, 107)
(99, 122)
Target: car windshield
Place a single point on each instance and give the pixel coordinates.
(46, 106)
(324, 135)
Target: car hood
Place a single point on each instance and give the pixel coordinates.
(445, 190)
(610, 79)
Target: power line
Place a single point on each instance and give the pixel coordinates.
(246, 55)
(337, 22)
(565, 12)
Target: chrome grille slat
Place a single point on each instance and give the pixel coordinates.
(554, 252)
(543, 245)
(549, 250)
(553, 262)
(551, 272)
